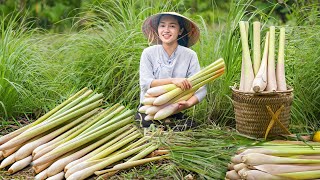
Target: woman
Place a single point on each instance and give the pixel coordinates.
(170, 61)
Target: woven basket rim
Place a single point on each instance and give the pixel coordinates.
(271, 93)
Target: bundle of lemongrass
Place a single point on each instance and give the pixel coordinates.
(277, 160)
(260, 74)
(75, 139)
(162, 101)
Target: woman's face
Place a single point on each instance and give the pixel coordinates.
(168, 30)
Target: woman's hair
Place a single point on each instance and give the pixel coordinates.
(183, 39)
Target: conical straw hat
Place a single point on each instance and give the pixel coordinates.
(150, 26)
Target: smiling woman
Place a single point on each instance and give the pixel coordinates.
(170, 61)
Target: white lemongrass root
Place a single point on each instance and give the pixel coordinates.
(17, 166)
(232, 175)
(236, 159)
(159, 90)
(259, 175)
(59, 176)
(242, 171)
(40, 168)
(7, 161)
(144, 108)
(261, 79)
(275, 169)
(42, 175)
(166, 111)
(230, 166)
(240, 166)
(254, 159)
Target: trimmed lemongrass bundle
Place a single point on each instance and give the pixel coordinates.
(277, 160)
(73, 134)
(162, 101)
(262, 74)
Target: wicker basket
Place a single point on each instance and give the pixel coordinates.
(252, 116)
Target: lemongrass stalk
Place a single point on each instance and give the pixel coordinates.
(73, 103)
(166, 111)
(17, 166)
(144, 153)
(59, 176)
(154, 109)
(40, 168)
(70, 134)
(260, 81)
(76, 107)
(13, 134)
(78, 175)
(214, 71)
(164, 98)
(254, 159)
(131, 146)
(272, 81)
(125, 115)
(60, 164)
(239, 166)
(280, 71)
(276, 169)
(159, 90)
(58, 152)
(290, 143)
(144, 108)
(256, 47)
(43, 149)
(88, 163)
(7, 161)
(30, 134)
(112, 121)
(149, 117)
(42, 175)
(8, 152)
(255, 174)
(27, 149)
(101, 148)
(232, 175)
(172, 108)
(283, 151)
(205, 70)
(149, 100)
(116, 146)
(130, 164)
(301, 175)
(106, 118)
(199, 85)
(247, 68)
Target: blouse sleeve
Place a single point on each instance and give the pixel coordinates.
(146, 72)
(193, 69)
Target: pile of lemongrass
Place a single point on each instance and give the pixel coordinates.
(76, 139)
(277, 160)
(262, 74)
(162, 101)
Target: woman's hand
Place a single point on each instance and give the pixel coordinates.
(182, 83)
(183, 105)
